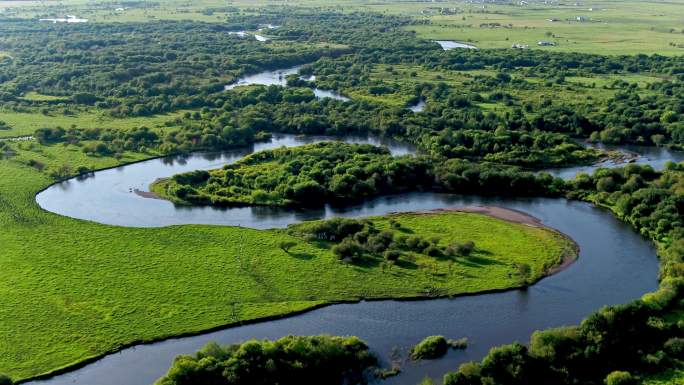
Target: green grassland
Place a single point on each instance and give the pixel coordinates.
(574, 91)
(26, 123)
(610, 26)
(73, 289)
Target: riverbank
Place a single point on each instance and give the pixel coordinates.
(128, 285)
(567, 257)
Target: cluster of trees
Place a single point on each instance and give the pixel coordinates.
(288, 361)
(188, 136)
(652, 201)
(173, 65)
(306, 175)
(631, 116)
(136, 68)
(617, 343)
(525, 148)
(100, 65)
(355, 240)
(633, 338)
(338, 172)
(654, 118)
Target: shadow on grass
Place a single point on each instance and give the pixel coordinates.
(303, 256)
(404, 264)
(478, 261)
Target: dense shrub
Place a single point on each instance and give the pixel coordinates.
(430, 348)
(287, 361)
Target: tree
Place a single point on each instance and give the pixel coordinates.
(510, 365)
(468, 374)
(84, 98)
(287, 245)
(348, 249)
(392, 255)
(524, 272)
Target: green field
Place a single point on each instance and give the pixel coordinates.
(26, 123)
(74, 289)
(608, 26)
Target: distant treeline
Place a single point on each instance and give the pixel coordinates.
(137, 69)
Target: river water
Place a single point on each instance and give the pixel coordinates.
(278, 78)
(450, 44)
(616, 265)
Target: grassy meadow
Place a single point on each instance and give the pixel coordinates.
(607, 26)
(74, 289)
(26, 123)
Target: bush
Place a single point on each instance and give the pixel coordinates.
(433, 251)
(348, 249)
(192, 177)
(392, 255)
(380, 242)
(620, 378)
(675, 347)
(287, 245)
(336, 229)
(430, 348)
(466, 249)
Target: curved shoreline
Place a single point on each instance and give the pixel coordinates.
(500, 213)
(87, 361)
(522, 218)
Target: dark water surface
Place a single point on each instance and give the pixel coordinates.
(616, 265)
(110, 197)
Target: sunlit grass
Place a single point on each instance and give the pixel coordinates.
(73, 289)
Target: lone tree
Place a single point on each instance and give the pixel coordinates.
(524, 272)
(287, 245)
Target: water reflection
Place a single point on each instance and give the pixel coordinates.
(611, 253)
(450, 44)
(418, 107)
(279, 78)
(111, 197)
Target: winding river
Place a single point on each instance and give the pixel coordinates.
(616, 265)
